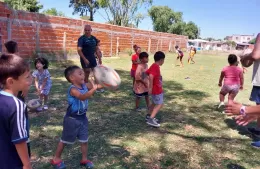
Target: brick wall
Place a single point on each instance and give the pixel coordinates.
(59, 35)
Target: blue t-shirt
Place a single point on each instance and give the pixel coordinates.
(77, 108)
(88, 45)
(13, 130)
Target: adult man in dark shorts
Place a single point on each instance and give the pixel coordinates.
(86, 49)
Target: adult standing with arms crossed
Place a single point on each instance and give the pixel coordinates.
(87, 45)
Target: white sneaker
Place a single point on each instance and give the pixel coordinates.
(221, 107)
(45, 107)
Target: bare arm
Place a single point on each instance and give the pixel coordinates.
(256, 51)
(82, 55)
(36, 83)
(241, 80)
(74, 92)
(150, 83)
(22, 151)
(44, 82)
(221, 79)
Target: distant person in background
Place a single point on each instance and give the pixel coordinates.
(180, 54)
(135, 60)
(192, 53)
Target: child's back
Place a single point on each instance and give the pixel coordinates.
(232, 75)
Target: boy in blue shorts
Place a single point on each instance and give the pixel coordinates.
(75, 123)
(155, 88)
(14, 77)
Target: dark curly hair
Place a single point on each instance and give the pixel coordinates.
(43, 61)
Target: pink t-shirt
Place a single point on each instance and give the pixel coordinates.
(232, 75)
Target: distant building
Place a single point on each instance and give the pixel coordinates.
(240, 38)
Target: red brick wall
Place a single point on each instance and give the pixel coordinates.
(42, 33)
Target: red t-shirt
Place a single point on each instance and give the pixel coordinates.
(157, 78)
(134, 58)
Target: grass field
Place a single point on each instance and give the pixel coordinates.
(193, 134)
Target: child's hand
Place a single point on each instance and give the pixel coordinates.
(219, 84)
(244, 120)
(93, 84)
(27, 167)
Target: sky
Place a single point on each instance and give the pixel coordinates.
(215, 18)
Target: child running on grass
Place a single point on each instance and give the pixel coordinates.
(233, 81)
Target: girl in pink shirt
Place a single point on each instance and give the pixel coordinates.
(233, 80)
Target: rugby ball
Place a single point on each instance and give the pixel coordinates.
(33, 104)
(107, 77)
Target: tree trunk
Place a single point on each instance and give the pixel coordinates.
(91, 15)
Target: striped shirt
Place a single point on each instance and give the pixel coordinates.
(13, 129)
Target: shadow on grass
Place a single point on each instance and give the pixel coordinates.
(114, 127)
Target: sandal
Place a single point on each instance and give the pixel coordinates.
(87, 163)
(58, 165)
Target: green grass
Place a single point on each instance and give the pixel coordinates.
(193, 134)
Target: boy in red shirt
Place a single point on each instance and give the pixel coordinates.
(155, 88)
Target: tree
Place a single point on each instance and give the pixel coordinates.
(231, 43)
(85, 17)
(191, 30)
(26, 5)
(167, 20)
(252, 41)
(123, 12)
(53, 11)
(84, 6)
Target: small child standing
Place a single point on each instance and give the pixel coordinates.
(155, 88)
(192, 53)
(141, 81)
(14, 77)
(233, 81)
(135, 62)
(75, 123)
(180, 55)
(43, 81)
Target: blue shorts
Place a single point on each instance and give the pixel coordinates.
(74, 128)
(255, 94)
(92, 63)
(157, 99)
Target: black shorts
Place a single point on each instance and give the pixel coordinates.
(92, 63)
(141, 94)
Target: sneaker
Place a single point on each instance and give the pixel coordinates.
(221, 107)
(153, 122)
(39, 109)
(45, 107)
(147, 117)
(256, 144)
(254, 131)
(138, 109)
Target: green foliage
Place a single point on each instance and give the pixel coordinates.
(252, 41)
(26, 5)
(84, 6)
(123, 12)
(54, 12)
(85, 17)
(167, 20)
(231, 43)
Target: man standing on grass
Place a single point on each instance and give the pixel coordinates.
(87, 45)
(248, 60)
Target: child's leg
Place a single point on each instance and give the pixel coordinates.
(231, 97)
(221, 97)
(189, 60)
(192, 60)
(181, 61)
(156, 110)
(147, 100)
(45, 100)
(150, 109)
(158, 104)
(137, 101)
(84, 151)
(59, 150)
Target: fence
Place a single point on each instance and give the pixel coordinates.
(36, 32)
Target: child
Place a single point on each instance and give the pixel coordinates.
(12, 48)
(155, 88)
(233, 80)
(192, 53)
(75, 124)
(43, 82)
(135, 62)
(14, 77)
(180, 54)
(141, 81)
